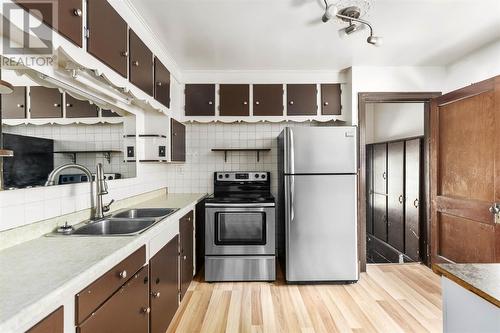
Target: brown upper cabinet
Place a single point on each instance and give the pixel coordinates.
(68, 21)
(330, 99)
(234, 100)
(45, 102)
(164, 286)
(162, 83)
(178, 141)
(301, 99)
(141, 64)
(200, 99)
(14, 105)
(268, 100)
(53, 323)
(186, 251)
(79, 109)
(107, 39)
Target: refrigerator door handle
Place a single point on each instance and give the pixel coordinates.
(292, 195)
(289, 151)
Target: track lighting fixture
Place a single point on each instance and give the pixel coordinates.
(351, 15)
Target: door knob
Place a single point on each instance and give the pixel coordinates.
(210, 102)
(495, 208)
(291, 103)
(384, 175)
(156, 294)
(77, 12)
(185, 258)
(325, 104)
(20, 105)
(415, 203)
(123, 274)
(146, 310)
(69, 105)
(400, 199)
(135, 63)
(57, 105)
(124, 54)
(257, 102)
(158, 84)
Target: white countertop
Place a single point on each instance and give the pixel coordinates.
(35, 275)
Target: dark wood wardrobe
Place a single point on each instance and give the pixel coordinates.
(393, 204)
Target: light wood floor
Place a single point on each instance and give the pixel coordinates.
(388, 298)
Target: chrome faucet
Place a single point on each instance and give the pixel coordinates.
(97, 209)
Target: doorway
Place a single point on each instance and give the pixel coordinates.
(390, 126)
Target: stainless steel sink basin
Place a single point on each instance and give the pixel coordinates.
(140, 213)
(115, 227)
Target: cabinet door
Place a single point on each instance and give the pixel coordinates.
(268, 100)
(380, 191)
(45, 102)
(14, 105)
(178, 139)
(412, 194)
(109, 113)
(330, 99)
(53, 323)
(79, 109)
(395, 195)
(164, 286)
(234, 99)
(127, 311)
(301, 99)
(141, 64)
(186, 251)
(200, 99)
(369, 189)
(70, 20)
(107, 35)
(162, 83)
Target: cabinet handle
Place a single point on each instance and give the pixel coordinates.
(135, 63)
(257, 102)
(245, 103)
(20, 105)
(156, 294)
(325, 103)
(124, 54)
(210, 102)
(291, 102)
(415, 203)
(175, 134)
(158, 84)
(57, 105)
(69, 105)
(384, 175)
(185, 258)
(123, 274)
(77, 12)
(146, 310)
(400, 199)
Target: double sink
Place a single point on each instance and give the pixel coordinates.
(127, 222)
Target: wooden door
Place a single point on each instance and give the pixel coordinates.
(140, 64)
(301, 99)
(268, 100)
(178, 141)
(380, 191)
(45, 102)
(162, 83)
(186, 251)
(164, 286)
(369, 189)
(465, 174)
(76, 108)
(53, 323)
(127, 311)
(107, 39)
(200, 99)
(412, 198)
(14, 104)
(234, 100)
(330, 99)
(395, 195)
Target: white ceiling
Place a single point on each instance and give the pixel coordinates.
(289, 35)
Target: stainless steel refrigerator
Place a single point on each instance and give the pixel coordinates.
(317, 229)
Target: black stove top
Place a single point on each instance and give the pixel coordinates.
(242, 187)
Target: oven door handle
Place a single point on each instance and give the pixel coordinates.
(242, 205)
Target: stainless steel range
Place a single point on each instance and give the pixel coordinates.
(240, 228)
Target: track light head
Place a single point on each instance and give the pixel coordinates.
(374, 40)
(330, 11)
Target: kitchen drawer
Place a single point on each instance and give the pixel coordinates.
(87, 300)
(53, 323)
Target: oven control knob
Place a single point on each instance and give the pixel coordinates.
(257, 175)
(226, 175)
(220, 176)
(263, 176)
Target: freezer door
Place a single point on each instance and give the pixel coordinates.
(321, 231)
(320, 150)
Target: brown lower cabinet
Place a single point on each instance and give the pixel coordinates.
(126, 311)
(76, 108)
(186, 251)
(178, 141)
(53, 323)
(164, 286)
(45, 102)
